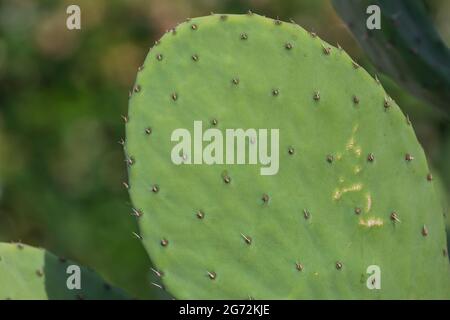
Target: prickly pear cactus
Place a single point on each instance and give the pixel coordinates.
(352, 189)
(407, 47)
(27, 273)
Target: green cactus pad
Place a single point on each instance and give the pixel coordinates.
(352, 189)
(28, 273)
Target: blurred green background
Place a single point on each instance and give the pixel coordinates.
(62, 94)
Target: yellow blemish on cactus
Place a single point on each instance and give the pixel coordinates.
(371, 222)
(368, 202)
(350, 144)
(353, 188)
(352, 149)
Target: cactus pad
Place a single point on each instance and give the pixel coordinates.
(29, 273)
(353, 187)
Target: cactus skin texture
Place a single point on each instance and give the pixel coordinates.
(28, 273)
(351, 191)
(407, 48)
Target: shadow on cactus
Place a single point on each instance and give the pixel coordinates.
(353, 189)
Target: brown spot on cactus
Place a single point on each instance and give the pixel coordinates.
(429, 177)
(265, 198)
(194, 27)
(155, 188)
(164, 242)
(235, 81)
(212, 275)
(371, 157)
(316, 96)
(137, 213)
(126, 185)
(158, 273)
(409, 157)
(244, 36)
(424, 231)
(214, 122)
(291, 150)
(130, 161)
(306, 214)
(226, 179)
(195, 57)
(355, 100)
(326, 50)
(358, 210)
(174, 96)
(299, 266)
(387, 103)
(275, 92)
(247, 239)
(394, 216)
(288, 46)
(159, 57)
(200, 214)
(330, 158)
(339, 265)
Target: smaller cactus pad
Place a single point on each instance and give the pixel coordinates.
(28, 273)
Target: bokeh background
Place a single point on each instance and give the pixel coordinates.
(62, 94)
